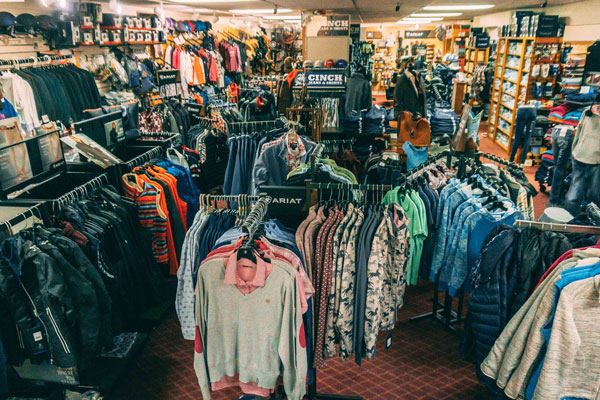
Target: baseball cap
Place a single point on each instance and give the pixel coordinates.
(319, 64)
(341, 63)
(7, 19)
(329, 63)
(308, 64)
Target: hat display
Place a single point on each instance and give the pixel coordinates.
(319, 64)
(7, 19)
(288, 64)
(341, 63)
(181, 26)
(329, 63)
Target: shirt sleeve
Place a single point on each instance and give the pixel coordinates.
(292, 344)
(200, 366)
(459, 272)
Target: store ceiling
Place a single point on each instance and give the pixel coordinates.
(367, 11)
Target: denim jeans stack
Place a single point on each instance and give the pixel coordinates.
(443, 122)
(562, 140)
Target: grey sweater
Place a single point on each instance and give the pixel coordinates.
(572, 365)
(512, 358)
(586, 146)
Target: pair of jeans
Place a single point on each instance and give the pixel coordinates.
(584, 186)
(562, 140)
(523, 129)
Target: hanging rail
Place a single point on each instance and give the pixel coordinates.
(143, 158)
(79, 192)
(564, 228)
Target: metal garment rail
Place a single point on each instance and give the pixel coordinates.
(564, 228)
(79, 192)
(154, 152)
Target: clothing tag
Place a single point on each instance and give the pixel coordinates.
(45, 119)
(585, 89)
(37, 336)
(388, 341)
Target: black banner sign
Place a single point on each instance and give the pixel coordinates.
(168, 77)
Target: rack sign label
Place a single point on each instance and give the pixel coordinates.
(322, 79)
(168, 77)
(417, 34)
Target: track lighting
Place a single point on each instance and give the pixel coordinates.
(398, 7)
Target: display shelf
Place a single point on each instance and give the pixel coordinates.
(473, 57)
(527, 50)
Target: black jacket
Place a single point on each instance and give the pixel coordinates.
(358, 94)
(495, 279)
(409, 94)
(36, 280)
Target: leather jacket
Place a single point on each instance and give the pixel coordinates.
(42, 303)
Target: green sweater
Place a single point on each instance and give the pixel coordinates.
(258, 336)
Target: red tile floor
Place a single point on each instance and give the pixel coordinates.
(423, 362)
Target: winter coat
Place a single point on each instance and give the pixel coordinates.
(358, 94)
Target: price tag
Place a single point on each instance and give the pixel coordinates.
(388, 341)
(45, 119)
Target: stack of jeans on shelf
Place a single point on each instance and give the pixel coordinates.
(352, 122)
(377, 120)
(443, 121)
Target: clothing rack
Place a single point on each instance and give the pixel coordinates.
(79, 192)
(35, 211)
(443, 312)
(236, 128)
(31, 60)
(564, 228)
(143, 158)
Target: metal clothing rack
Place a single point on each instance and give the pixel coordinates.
(35, 211)
(155, 152)
(564, 228)
(247, 127)
(79, 192)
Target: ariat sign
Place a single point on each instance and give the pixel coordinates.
(167, 77)
(285, 200)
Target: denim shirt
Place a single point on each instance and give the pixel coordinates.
(271, 168)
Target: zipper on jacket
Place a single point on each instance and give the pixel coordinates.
(58, 333)
(20, 336)
(37, 315)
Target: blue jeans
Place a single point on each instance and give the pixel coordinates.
(585, 186)
(524, 125)
(562, 141)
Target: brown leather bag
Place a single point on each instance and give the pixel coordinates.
(414, 130)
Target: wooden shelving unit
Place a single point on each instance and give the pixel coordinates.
(505, 101)
(474, 56)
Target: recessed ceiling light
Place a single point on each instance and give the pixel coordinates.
(450, 14)
(283, 17)
(260, 11)
(201, 2)
(421, 19)
(459, 7)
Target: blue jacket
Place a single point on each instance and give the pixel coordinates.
(494, 278)
(271, 168)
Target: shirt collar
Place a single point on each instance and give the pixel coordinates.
(232, 277)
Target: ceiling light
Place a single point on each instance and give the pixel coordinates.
(283, 17)
(291, 21)
(412, 22)
(450, 14)
(422, 19)
(17, 1)
(459, 8)
(260, 11)
(213, 1)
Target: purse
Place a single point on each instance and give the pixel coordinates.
(413, 129)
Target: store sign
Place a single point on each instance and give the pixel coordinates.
(168, 77)
(355, 31)
(330, 25)
(417, 34)
(325, 78)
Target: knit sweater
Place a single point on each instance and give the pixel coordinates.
(586, 146)
(511, 361)
(255, 337)
(572, 365)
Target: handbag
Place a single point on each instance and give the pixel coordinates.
(414, 129)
